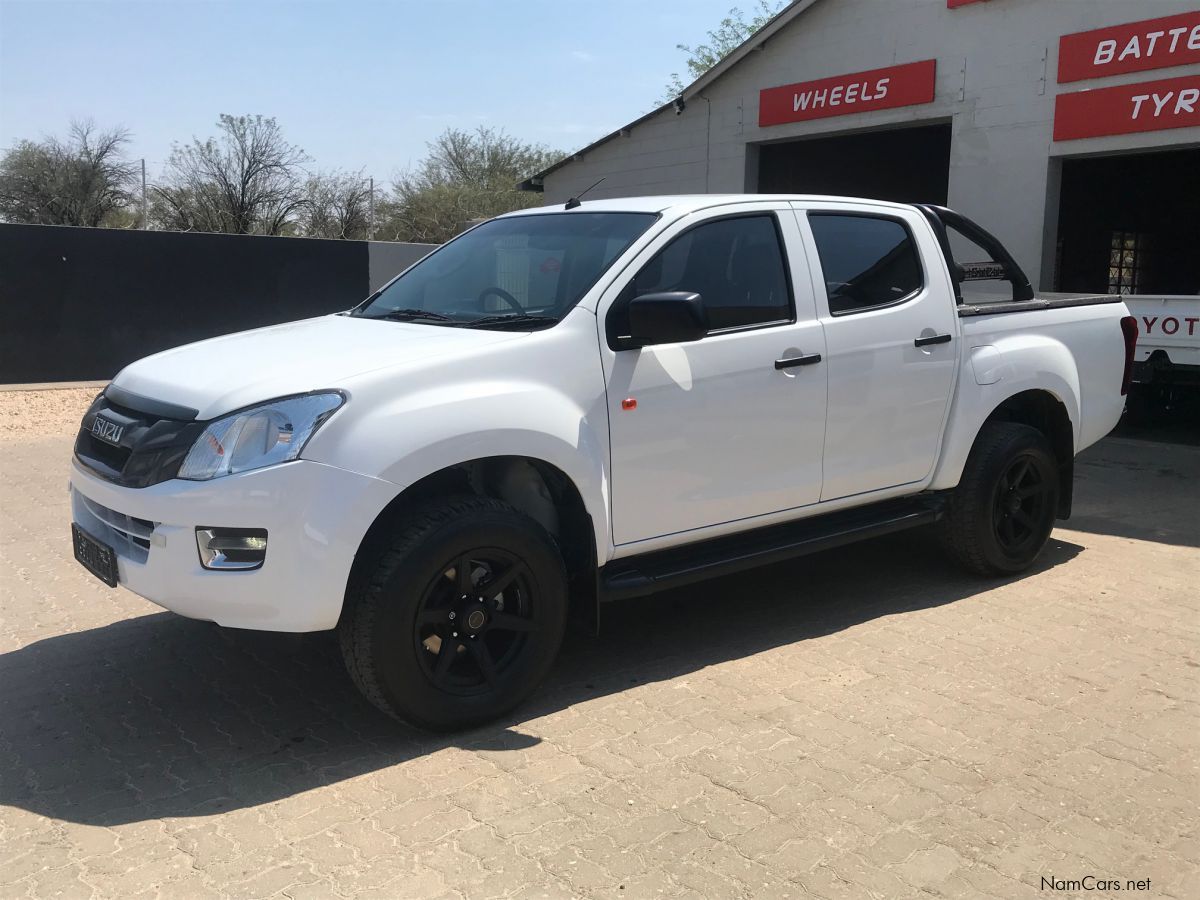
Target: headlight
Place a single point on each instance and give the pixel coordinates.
(264, 435)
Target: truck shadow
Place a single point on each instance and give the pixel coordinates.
(1140, 489)
(160, 716)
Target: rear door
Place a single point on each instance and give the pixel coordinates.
(729, 427)
(884, 298)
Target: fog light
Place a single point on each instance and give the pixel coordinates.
(231, 548)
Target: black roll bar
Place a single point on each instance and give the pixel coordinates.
(1001, 266)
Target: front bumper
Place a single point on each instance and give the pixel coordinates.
(315, 516)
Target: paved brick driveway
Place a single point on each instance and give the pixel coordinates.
(866, 723)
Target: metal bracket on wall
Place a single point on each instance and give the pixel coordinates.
(962, 83)
(1042, 80)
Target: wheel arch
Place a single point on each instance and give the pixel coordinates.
(534, 486)
(1040, 408)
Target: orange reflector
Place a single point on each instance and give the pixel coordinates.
(628, 403)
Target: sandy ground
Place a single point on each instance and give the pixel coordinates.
(868, 722)
(28, 414)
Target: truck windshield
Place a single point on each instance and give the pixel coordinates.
(519, 271)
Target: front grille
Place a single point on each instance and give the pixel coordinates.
(150, 449)
(93, 448)
(128, 535)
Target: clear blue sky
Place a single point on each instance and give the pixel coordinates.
(356, 84)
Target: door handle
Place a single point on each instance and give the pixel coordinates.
(809, 359)
(935, 339)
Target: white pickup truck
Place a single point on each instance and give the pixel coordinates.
(1166, 369)
(567, 405)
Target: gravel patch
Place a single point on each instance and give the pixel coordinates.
(36, 414)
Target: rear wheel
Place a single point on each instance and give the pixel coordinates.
(1004, 508)
(462, 617)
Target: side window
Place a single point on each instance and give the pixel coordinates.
(735, 265)
(867, 261)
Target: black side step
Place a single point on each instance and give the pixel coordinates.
(636, 576)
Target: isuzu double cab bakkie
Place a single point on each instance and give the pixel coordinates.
(566, 405)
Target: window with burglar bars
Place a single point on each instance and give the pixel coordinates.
(1126, 262)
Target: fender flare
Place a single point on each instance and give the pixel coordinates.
(1044, 364)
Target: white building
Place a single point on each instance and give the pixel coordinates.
(1069, 128)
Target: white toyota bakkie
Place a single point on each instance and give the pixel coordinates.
(571, 404)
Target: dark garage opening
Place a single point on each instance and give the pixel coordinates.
(908, 165)
(1127, 224)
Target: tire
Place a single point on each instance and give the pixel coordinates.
(420, 643)
(1003, 510)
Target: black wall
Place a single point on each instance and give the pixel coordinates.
(1154, 194)
(80, 303)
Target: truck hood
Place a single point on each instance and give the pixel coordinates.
(226, 373)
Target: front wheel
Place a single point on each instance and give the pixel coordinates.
(1003, 510)
(462, 617)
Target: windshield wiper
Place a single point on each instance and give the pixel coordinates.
(412, 315)
(511, 319)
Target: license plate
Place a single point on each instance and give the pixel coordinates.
(97, 558)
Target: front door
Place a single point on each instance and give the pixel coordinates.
(711, 432)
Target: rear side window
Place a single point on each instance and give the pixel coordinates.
(868, 261)
(735, 265)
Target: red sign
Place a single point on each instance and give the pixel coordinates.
(1134, 47)
(955, 4)
(893, 86)
(1128, 108)
(1169, 325)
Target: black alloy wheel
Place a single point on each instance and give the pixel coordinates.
(1024, 495)
(460, 617)
(474, 621)
(1003, 510)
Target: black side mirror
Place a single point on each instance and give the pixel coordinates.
(671, 317)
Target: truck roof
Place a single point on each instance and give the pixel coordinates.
(686, 203)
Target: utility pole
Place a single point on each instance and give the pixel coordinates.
(145, 224)
(371, 215)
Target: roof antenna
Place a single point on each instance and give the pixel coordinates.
(574, 201)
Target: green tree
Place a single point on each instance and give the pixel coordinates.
(722, 40)
(246, 180)
(466, 175)
(82, 180)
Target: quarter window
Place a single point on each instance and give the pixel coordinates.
(735, 265)
(867, 261)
